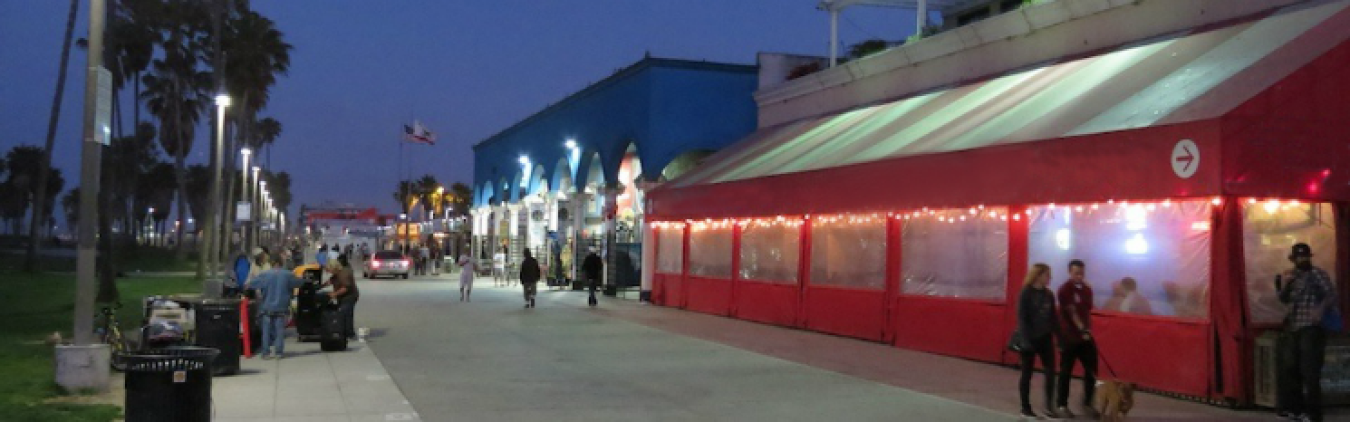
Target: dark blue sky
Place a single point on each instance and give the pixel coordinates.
(466, 69)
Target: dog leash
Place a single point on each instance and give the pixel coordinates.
(1102, 357)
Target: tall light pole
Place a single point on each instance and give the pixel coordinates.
(84, 365)
(256, 207)
(215, 227)
(244, 183)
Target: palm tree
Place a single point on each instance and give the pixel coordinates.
(256, 54)
(132, 38)
(70, 204)
(266, 133)
(460, 196)
(129, 159)
(22, 185)
(199, 186)
(38, 220)
(155, 190)
(177, 92)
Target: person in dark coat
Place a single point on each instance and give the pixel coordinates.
(529, 277)
(1037, 324)
(592, 267)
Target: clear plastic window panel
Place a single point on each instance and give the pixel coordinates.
(849, 252)
(960, 253)
(770, 250)
(1269, 229)
(1163, 248)
(670, 250)
(710, 250)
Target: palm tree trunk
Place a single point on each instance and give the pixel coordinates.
(180, 252)
(40, 195)
(136, 102)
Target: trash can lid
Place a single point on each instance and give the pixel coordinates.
(170, 359)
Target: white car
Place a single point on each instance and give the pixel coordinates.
(390, 263)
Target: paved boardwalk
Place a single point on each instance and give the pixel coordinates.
(492, 360)
(310, 385)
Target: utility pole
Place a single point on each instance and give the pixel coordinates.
(90, 167)
(85, 364)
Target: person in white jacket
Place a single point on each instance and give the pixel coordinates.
(467, 268)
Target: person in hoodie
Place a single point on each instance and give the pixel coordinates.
(529, 277)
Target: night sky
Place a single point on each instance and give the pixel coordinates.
(466, 69)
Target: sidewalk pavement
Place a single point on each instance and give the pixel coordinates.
(492, 360)
(311, 385)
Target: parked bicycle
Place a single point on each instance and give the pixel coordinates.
(109, 331)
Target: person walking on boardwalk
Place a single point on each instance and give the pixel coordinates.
(529, 277)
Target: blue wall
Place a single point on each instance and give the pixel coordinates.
(664, 107)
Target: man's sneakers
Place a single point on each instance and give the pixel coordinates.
(1028, 415)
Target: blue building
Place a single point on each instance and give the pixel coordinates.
(572, 176)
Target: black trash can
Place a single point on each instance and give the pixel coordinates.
(172, 384)
(218, 328)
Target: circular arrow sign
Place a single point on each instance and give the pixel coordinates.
(1185, 159)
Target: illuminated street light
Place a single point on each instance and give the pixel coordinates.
(571, 143)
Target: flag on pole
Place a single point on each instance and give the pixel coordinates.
(419, 134)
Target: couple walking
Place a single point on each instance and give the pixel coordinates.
(1039, 323)
(530, 273)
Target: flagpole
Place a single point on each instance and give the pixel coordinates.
(403, 196)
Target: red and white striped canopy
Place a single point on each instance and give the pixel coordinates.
(1197, 75)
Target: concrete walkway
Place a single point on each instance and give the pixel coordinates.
(492, 360)
(311, 385)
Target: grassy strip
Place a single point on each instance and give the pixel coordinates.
(129, 261)
(34, 306)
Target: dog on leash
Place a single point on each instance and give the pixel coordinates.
(1114, 400)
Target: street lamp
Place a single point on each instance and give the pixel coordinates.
(253, 206)
(214, 233)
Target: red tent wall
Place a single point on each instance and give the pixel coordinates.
(1228, 306)
(1290, 141)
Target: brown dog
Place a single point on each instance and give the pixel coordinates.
(1114, 400)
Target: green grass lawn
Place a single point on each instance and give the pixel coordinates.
(129, 261)
(34, 306)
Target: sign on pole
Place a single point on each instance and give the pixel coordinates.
(243, 211)
(102, 105)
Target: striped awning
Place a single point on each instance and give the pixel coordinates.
(1197, 75)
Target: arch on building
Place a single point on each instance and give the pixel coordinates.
(637, 169)
(483, 195)
(561, 176)
(537, 179)
(594, 175)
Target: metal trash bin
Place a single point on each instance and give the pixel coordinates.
(172, 384)
(217, 322)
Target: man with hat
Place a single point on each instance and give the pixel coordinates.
(1308, 293)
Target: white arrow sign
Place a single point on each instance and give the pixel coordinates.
(1185, 159)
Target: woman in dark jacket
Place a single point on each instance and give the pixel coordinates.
(1037, 324)
(529, 277)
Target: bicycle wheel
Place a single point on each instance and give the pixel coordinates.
(120, 348)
